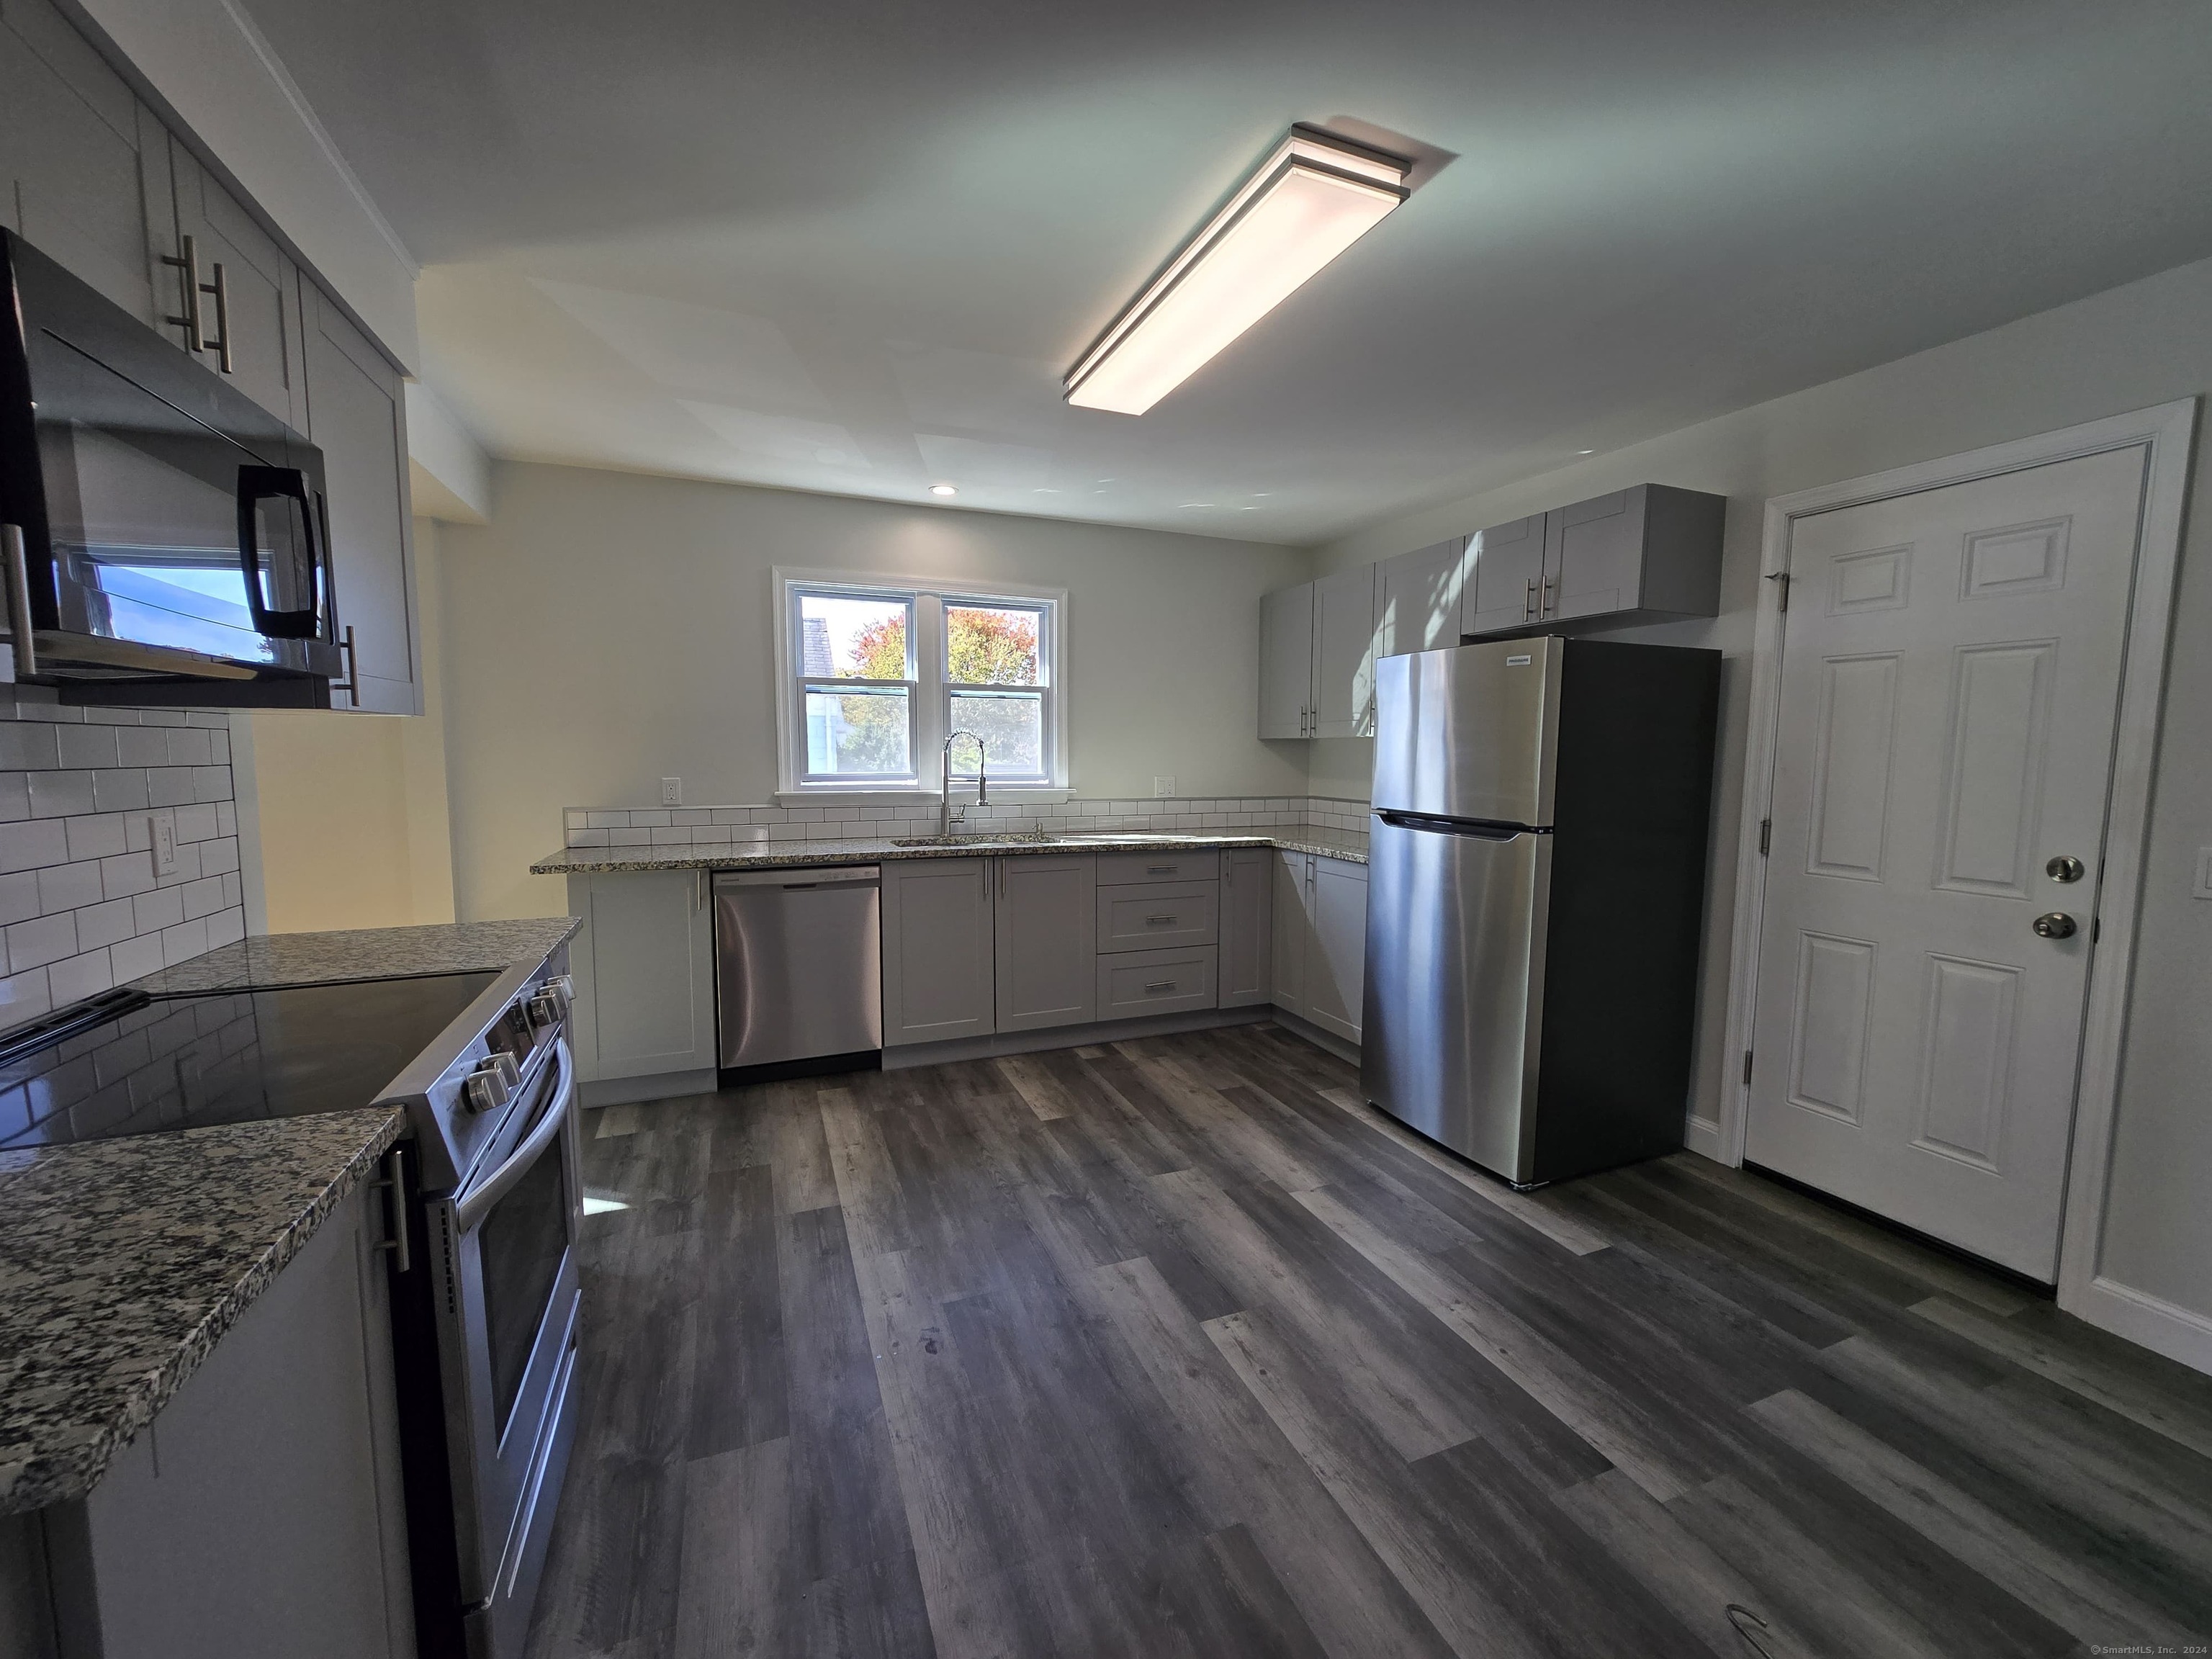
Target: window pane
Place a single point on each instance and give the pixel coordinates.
(843, 636)
(857, 733)
(991, 645)
(1012, 726)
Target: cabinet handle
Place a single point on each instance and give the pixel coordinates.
(351, 684)
(221, 344)
(17, 576)
(1529, 606)
(699, 896)
(1161, 869)
(1160, 921)
(186, 260)
(1551, 605)
(395, 1181)
(1159, 985)
(1001, 863)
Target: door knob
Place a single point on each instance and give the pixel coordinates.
(2057, 924)
(2064, 868)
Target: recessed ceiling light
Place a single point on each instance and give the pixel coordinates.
(1313, 197)
(943, 490)
(1585, 452)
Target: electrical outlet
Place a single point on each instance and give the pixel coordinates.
(1162, 787)
(162, 831)
(672, 791)
(2203, 887)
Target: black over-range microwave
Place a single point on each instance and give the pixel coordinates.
(163, 538)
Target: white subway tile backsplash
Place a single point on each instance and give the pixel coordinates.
(100, 836)
(60, 794)
(43, 939)
(80, 977)
(168, 786)
(132, 958)
(69, 886)
(202, 897)
(87, 745)
(141, 746)
(162, 908)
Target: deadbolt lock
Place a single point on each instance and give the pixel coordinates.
(2064, 868)
(2055, 925)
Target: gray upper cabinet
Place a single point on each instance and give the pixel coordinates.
(1286, 643)
(1344, 652)
(1420, 598)
(1645, 555)
(254, 310)
(1045, 966)
(78, 173)
(356, 414)
(1506, 590)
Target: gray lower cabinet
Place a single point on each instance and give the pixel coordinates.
(1132, 984)
(1153, 915)
(1246, 963)
(1047, 941)
(644, 965)
(1287, 657)
(940, 945)
(260, 1516)
(357, 416)
(1320, 941)
(1419, 598)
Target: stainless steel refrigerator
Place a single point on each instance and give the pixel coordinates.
(1536, 896)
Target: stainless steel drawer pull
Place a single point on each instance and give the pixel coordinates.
(1161, 869)
(1159, 985)
(1160, 921)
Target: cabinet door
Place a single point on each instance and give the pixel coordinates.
(1594, 558)
(938, 950)
(257, 302)
(1286, 644)
(1247, 878)
(1507, 590)
(1045, 966)
(645, 973)
(1291, 925)
(1337, 948)
(260, 1515)
(70, 148)
(1417, 606)
(1344, 652)
(358, 418)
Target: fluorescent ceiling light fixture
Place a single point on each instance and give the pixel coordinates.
(1313, 197)
(943, 490)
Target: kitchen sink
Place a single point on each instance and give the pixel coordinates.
(1026, 838)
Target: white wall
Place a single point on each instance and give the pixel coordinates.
(2132, 347)
(608, 630)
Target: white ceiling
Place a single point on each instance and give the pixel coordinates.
(852, 246)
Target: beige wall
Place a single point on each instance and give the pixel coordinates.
(343, 818)
(611, 629)
(2148, 342)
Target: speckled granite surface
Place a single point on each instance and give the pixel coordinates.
(267, 960)
(123, 1261)
(1349, 845)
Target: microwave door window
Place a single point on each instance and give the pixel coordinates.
(143, 516)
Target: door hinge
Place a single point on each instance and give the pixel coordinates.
(1783, 578)
(1765, 836)
(1746, 1068)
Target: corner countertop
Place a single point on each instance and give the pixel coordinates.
(267, 961)
(1350, 844)
(122, 1262)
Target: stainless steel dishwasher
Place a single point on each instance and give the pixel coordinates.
(799, 967)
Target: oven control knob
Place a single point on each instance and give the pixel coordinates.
(492, 1085)
(551, 1006)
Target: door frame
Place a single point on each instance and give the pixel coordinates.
(2169, 431)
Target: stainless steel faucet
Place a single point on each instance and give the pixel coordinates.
(944, 783)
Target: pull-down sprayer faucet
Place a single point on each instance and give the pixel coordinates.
(945, 783)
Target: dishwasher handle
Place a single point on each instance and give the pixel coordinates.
(841, 875)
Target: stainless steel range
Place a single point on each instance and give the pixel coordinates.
(484, 1272)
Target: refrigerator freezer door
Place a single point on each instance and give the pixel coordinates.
(1469, 733)
(1455, 929)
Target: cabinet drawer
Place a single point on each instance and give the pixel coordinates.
(1156, 915)
(1137, 982)
(1184, 864)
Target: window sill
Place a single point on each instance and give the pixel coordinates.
(1009, 794)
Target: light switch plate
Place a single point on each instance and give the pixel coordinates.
(672, 791)
(1162, 787)
(162, 831)
(2203, 887)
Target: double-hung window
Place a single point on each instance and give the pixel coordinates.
(879, 675)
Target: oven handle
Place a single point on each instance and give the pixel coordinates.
(477, 1204)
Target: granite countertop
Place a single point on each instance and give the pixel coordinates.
(122, 1262)
(1350, 844)
(266, 961)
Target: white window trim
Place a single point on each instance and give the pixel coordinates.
(929, 710)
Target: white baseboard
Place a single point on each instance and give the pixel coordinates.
(2179, 1333)
(1702, 1135)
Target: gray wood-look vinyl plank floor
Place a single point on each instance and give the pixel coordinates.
(1170, 1347)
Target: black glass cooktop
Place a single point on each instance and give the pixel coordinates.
(121, 1064)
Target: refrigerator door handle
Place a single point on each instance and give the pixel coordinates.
(1478, 831)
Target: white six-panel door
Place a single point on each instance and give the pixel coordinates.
(1950, 680)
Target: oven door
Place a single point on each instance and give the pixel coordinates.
(508, 1349)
